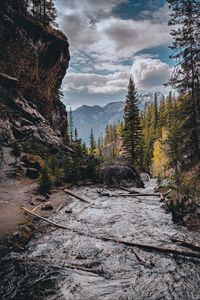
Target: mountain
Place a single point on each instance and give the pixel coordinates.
(97, 117)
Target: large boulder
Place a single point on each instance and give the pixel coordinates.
(121, 175)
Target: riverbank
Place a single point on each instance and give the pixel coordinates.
(16, 227)
(185, 211)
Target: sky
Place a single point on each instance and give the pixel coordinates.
(111, 40)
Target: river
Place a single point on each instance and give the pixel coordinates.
(61, 264)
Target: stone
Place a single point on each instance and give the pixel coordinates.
(145, 177)
(123, 175)
(32, 173)
(33, 202)
(41, 199)
(68, 211)
(47, 206)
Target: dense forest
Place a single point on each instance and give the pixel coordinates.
(164, 138)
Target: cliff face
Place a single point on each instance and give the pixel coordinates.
(38, 58)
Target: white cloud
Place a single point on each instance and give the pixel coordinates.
(123, 38)
(101, 43)
(150, 73)
(96, 84)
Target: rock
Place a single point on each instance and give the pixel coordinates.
(32, 173)
(32, 86)
(41, 199)
(33, 202)
(121, 175)
(47, 196)
(145, 177)
(68, 211)
(33, 161)
(47, 206)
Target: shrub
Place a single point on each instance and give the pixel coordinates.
(45, 182)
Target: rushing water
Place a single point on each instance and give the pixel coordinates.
(65, 265)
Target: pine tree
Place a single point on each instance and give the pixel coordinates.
(107, 135)
(155, 115)
(71, 126)
(92, 142)
(132, 127)
(45, 182)
(186, 51)
(50, 13)
(75, 135)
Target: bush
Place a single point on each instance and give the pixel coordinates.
(45, 182)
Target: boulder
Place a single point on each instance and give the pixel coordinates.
(41, 199)
(121, 175)
(145, 177)
(68, 211)
(33, 161)
(47, 206)
(32, 173)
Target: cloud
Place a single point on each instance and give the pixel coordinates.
(104, 47)
(96, 84)
(150, 73)
(124, 38)
(93, 8)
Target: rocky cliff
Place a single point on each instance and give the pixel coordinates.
(33, 61)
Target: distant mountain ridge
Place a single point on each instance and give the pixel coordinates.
(97, 117)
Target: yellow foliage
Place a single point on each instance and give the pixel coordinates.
(160, 158)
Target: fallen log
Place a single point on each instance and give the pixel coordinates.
(187, 244)
(84, 269)
(76, 196)
(129, 195)
(139, 258)
(59, 208)
(128, 190)
(42, 218)
(121, 242)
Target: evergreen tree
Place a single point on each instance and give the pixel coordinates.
(75, 135)
(71, 126)
(155, 115)
(132, 128)
(107, 135)
(186, 51)
(92, 142)
(45, 182)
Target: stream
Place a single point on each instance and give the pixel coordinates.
(61, 264)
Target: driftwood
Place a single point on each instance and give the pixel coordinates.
(139, 258)
(129, 195)
(85, 269)
(187, 244)
(37, 207)
(59, 208)
(121, 242)
(76, 196)
(128, 190)
(42, 218)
